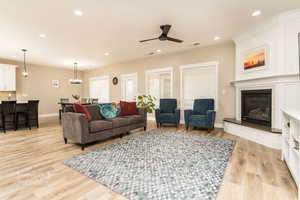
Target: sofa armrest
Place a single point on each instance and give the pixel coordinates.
(143, 112)
(187, 114)
(157, 113)
(211, 115)
(75, 127)
(177, 115)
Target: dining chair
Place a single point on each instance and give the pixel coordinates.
(8, 114)
(84, 100)
(94, 101)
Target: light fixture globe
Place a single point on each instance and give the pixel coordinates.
(75, 80)
(24, 73)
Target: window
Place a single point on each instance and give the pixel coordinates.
(129, 87)
(99, 88)
(198, 81)
(159, 83)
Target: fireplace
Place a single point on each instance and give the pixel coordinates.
(257, 106)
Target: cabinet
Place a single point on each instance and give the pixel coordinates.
(7, 78)
(290, 143)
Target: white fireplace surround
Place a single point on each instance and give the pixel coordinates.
(284, 93)
(281, 74)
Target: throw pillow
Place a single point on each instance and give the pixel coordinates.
(94, 110)
(108, 111)
(82, 109)
(128, 108)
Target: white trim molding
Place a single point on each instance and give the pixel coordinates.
(48, 115)
(214, 64)
(217, 125)
(123, 77)
(156, 70)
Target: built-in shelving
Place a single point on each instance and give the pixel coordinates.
(290, 143)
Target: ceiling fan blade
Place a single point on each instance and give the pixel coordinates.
(174, 40)
(148, 40)
(165, 29)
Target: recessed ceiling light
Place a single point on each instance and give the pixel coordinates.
(216, 38)
(196, 43)
(256, 13)
(106, 54)
(78, 12)
(42, 35)
(158, 50)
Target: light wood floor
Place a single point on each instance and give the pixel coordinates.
(31, 167)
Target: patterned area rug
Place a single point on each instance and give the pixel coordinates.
(159, 165)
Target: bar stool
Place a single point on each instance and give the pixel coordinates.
(33, 113)
(9, 114)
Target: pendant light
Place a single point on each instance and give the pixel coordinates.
(75, 80)
(24, 73)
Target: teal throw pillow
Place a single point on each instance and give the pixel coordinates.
(109, 111)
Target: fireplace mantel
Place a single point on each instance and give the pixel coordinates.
(274, 78)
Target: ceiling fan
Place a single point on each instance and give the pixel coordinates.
(164, 36)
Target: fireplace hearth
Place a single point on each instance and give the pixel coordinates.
(257, 106)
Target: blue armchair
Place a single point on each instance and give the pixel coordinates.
(202, 116)
(167, 112)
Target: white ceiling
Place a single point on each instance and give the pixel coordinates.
(116, 26)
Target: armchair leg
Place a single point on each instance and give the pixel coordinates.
(145, 128)
(210, 129)
(187, 128)
(82, 147)
(66, 140)
(157, 125)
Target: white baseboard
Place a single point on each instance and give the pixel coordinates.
(265, 138)
(217, 125)
(48, 115)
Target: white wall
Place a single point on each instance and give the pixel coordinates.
(280, 36)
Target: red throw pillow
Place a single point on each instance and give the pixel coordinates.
(82, 109)
(128, 108)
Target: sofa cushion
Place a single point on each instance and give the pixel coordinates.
(166, 116)
(119, 122)
(128, 108)
(100, 125)
(134, 119)
(197, 117)
(94, 110)
(82, 109)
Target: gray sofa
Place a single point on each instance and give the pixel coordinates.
(78, 129)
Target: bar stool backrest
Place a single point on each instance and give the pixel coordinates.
(8, 107)
(33, 108)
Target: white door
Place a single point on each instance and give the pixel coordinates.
(129, 87)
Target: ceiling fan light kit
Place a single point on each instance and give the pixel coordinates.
(164, 36)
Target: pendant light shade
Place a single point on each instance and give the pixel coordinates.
(25, 72)
(75, 80)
